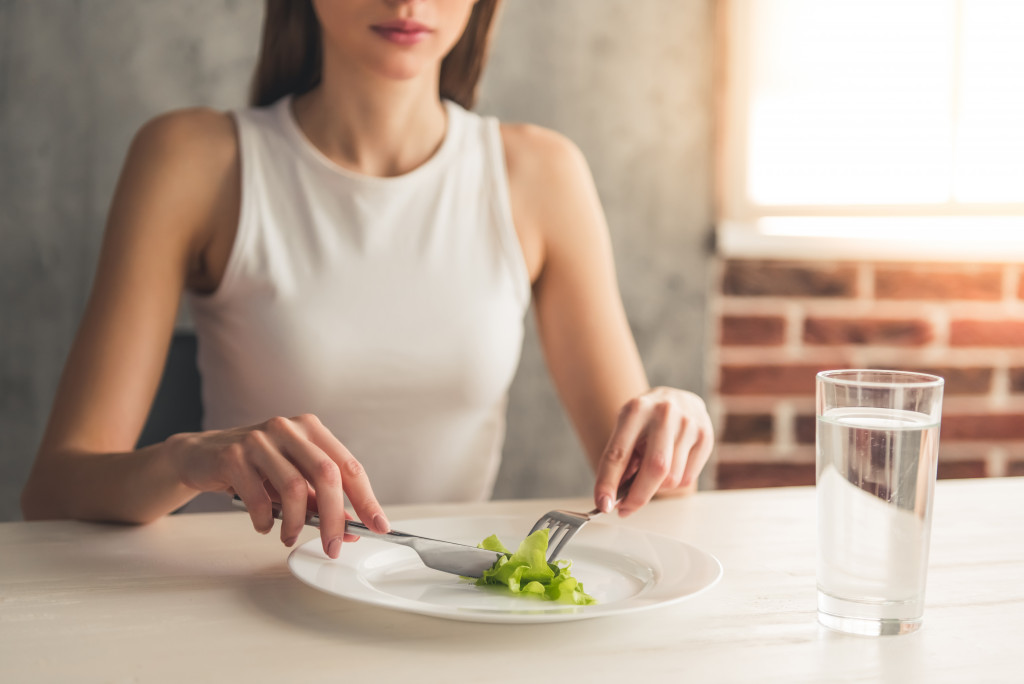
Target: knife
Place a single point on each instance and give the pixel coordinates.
(446, 556)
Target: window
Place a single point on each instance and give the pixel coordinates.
(894, 125)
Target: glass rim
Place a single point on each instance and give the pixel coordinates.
(911, 378)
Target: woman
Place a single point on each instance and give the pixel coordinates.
(359, 251)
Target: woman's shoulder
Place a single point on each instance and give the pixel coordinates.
(187, 155)
(544, 167)
(528, 145)
(188, 136)
(183, 166)
(550, 189)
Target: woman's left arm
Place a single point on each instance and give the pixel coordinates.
(664, 434)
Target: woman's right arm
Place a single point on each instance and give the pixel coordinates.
(178, 192)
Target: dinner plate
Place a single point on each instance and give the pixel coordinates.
(625, 569)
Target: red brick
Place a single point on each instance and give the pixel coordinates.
(775, 279)
(880, 331)
(967, 333)
(959, 380)
(953, 282)
(984, 427)
(750, 475)
(745, 428)
(753, 330)
(957, 470)
(1017, 380)
(805, 429)
(789, 380)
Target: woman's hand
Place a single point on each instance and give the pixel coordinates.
(296, 461)
(665, 437)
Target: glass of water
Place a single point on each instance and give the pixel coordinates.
(876, 452)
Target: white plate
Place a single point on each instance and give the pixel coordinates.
(624, 569)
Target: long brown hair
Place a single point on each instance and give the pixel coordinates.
(291, 53)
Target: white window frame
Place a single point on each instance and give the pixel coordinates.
(941, 232)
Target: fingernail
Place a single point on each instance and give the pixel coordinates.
(604, 502)
(334, 548)
(289, 541)
(381, 523)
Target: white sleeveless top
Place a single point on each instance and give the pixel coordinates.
(391, 308)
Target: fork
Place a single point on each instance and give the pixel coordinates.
(564, 525)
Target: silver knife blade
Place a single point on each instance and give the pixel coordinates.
(446, 556)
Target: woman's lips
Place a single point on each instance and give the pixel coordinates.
(402, 31)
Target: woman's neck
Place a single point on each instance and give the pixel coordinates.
(376, 129)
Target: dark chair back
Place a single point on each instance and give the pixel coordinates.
(177, 406)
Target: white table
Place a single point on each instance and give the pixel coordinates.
(203, 598)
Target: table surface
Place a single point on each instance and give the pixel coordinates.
(201, 597)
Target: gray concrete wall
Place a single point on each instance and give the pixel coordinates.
(628, 80)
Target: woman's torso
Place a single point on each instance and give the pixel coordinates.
(391, 308)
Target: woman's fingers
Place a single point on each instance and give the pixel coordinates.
(661, 427)
(320, 470)
(285, 483)
(311, 503)
(300, 464)
(248, 484)
(612, 467)
(700, 452)
(669, 432)
(685, 438)
(700, 446)
(354, 480)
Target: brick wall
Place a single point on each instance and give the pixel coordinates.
(778, 323)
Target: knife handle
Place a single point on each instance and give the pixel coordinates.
(313, 520)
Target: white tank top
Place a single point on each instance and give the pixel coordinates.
(391, 308)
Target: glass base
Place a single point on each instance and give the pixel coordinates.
(863, 619)
(868, 627)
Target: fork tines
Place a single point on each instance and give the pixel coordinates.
(563, 526)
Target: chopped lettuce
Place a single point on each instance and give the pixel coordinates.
(527, 572)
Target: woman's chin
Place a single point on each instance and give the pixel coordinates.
(402, 71)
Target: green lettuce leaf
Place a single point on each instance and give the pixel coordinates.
(527, 572)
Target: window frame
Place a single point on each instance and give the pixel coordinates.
(739, 226)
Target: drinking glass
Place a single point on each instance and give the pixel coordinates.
(877, 447)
